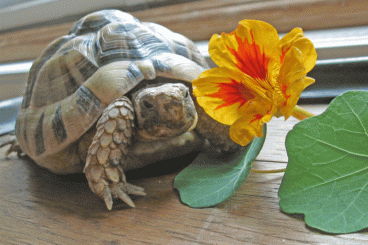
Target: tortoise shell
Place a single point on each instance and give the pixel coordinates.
(67, 89)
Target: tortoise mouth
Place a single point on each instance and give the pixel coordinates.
(165, 131)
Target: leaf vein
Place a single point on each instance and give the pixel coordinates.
(331, 181)
(335, 146)
(356, 115)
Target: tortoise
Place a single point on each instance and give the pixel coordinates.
(114, 94)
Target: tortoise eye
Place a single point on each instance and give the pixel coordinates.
(147, 104)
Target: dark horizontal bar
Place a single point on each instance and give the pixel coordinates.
(334, 77)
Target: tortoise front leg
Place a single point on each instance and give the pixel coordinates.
(107, 154)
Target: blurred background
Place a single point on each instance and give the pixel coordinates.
(338, 28)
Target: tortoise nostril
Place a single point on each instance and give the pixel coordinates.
(186, 93)
(147, 104)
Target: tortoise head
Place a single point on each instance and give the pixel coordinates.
(164, 111)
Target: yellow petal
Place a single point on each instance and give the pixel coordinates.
(292, 80)
(296, 38)
(259, 32)
(287, 42)
(248, 49)
(290, 38)
(249, 126)
(222, 92)
(219, 52)
(308, 51)
(293, 67)
(295, 90)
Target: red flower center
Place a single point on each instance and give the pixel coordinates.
(232, 93)
(250, 59)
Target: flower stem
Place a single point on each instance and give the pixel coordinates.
(272, 171)
(300, 113)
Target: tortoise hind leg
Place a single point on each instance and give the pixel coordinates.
(107, 154)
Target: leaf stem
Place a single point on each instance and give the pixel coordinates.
(272, 171)
(300, 113)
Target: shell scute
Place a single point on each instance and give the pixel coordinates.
(179, 44)
(37, 65)
(95, 21)
(115, 42)
(60, 77)
(87, 102)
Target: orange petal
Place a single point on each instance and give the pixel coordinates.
(222, 92)
(248, 49)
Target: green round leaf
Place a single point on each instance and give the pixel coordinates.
(327, 175)
(208, 182)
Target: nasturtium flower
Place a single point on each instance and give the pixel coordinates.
(258, 76)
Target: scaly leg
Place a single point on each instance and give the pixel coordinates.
(108, 152)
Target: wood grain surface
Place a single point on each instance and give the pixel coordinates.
(37, 207)
(199, 20)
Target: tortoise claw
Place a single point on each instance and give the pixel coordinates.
(122, 189)
(135, 190)
(125, 198)
(108, 190)
(107, 198)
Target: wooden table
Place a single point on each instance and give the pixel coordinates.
(37, 207)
